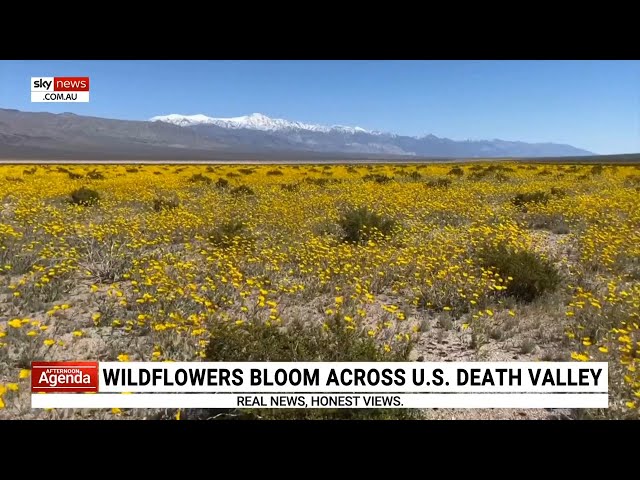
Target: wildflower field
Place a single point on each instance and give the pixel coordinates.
(429, 262)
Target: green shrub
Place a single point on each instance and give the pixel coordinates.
(226, 234)
(532, 276)
(290, 187)
(376, 177)
(200, 178)
(478, 175)
(299, 342)
(222, 183)
(242, 190)
(84, 196)
(93, 175)
(359, 225)
(160, 204)
(321, 182)
(439, 183)
(522, 199)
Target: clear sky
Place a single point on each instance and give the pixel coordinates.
(593, 105)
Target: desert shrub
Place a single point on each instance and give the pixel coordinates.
(326, 227)
(290, 187)
(14, 179)
(274, 172)
(74, 176)
(320, 182)
(376, 177)
(94, 175)
(597, 169)
(299, 342)
(457, 171)
(105, 260)
(62, 169)
(222, 183)
(478, 175)
(527, 346)
(532, 276)
(30, 171)
(414, 176)
(439, 183)
(245, 171)
(501, 177)
(558, 192)
(522, 199)
(131, 170)
(633, 181)
(552, 223)
(160, 203)
(84, 196)
(242, 190)
(361, 224)
(224, 235)
(233, 174)
(200, 178)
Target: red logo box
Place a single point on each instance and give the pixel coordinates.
(71, 84)
(64, 377)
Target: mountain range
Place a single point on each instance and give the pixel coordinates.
(67, 135)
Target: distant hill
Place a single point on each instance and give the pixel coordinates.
(66, 135)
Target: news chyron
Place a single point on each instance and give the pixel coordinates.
(59, 89)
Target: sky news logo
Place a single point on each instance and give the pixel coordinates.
(59, 89)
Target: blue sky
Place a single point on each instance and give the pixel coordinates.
(589, 104)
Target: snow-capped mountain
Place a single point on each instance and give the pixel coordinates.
(258, 130)
(200, 136)
(255, 121)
